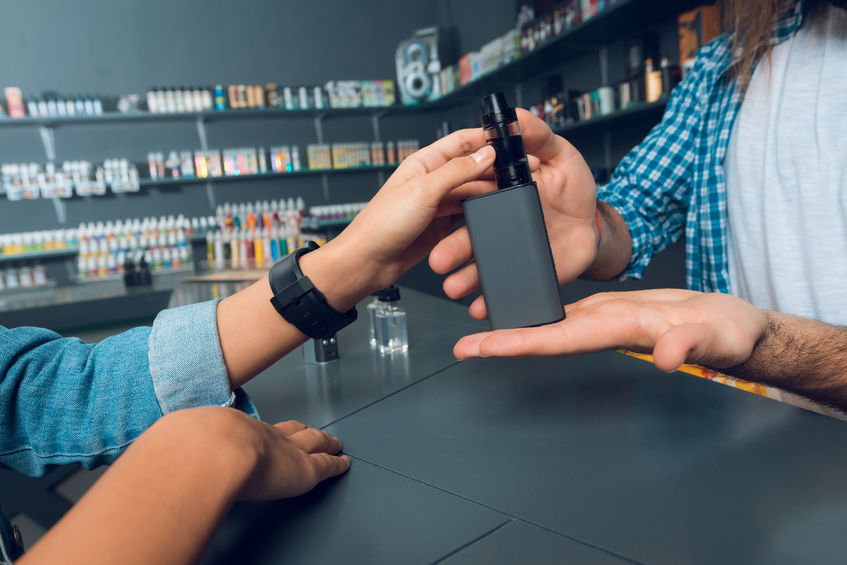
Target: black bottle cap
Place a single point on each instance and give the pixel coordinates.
(496, 110)
(389, 294)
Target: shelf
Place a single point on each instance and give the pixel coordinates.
(36, 255)
(263, 176)
(614, 23)
(120, 276)
(207, 116)
(647, 112)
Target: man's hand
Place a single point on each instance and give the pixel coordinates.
(567, 191)
(677, 326)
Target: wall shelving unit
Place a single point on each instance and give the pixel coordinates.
(589, 37)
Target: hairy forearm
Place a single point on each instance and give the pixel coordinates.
(615, 245)
(160, 502)
(802, 356)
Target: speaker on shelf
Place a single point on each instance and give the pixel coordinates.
(419, 60)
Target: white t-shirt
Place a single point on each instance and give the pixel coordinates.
(786, 173)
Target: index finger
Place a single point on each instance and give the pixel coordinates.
(619, 326)
(433, 156)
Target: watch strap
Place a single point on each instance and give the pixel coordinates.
(300, 303)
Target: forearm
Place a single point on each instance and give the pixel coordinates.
(161, 501)
(802, 356)
(615, 245)
(254, 335)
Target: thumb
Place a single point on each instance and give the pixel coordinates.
(683, 343)
(455, 172)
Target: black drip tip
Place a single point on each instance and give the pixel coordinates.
(502, 132)
(496, 110)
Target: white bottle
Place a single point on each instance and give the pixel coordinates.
(39, 275)
(12, 278)
(219, 252)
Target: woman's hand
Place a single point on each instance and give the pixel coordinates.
(567, 191)
(678, 326)
(293, 459)
(416, 208)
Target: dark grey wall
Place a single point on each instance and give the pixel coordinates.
(123, 46)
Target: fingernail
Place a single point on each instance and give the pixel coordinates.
(482, 154)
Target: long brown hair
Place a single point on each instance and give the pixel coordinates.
(750, 22)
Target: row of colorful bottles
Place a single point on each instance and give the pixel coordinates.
(264, 215)
(331, 214)
(14, 244)
(32, 242)
(104, 249)
(100, 265)
(28, 181)
(255, 234)
(25, 276)
(257, 248)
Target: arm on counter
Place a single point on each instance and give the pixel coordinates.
(681, 326)
(163, 498)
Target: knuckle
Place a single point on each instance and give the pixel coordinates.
(416, 163)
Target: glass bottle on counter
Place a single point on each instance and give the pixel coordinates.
(371, 309)
(391, 331)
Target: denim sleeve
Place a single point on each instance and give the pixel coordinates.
(651, 187)
(66, 401)
(186, 363)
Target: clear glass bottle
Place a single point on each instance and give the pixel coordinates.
(391, 332)
(371, 309)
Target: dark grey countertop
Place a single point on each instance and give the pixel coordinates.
(592, 459)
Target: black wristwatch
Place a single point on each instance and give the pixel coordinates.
(299, 302)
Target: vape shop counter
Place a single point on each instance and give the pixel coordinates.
(593, 459)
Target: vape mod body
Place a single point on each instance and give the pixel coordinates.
(508, 236)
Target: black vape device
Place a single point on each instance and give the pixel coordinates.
(508, 236)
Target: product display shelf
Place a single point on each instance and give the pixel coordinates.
(101, 301)
(206, 116)
(36, 255)
(120, 276)
(615, 22)
(262, 176)
(646, 112)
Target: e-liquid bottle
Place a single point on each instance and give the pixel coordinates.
(508, 236)
(391, 332)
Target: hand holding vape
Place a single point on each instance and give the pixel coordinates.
(507, 231)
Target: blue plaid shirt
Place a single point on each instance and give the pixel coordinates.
(675, 178)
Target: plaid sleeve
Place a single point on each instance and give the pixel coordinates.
(651, 187)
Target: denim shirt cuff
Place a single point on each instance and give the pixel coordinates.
(186, 361)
